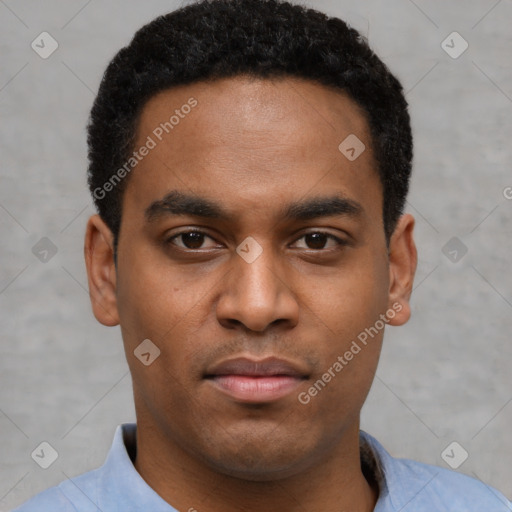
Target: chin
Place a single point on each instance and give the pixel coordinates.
(259, 471)
(256, 459)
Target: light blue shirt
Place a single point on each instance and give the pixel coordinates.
(405, 486)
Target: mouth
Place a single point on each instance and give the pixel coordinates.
(256, 381)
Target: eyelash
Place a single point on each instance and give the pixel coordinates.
(340, 241)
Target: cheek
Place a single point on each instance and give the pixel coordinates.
(170, 307)
(167, 309)
(349, 306)
(152, 297)
(352, 299)
(350, 310)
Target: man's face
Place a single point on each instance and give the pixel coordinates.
(253, 148)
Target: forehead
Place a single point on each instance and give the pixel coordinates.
(262, 108)
(255, 141)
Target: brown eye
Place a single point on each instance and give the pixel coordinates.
(192, 240)
(318, 241)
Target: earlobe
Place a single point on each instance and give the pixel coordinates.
(101, 272)
(403, 260)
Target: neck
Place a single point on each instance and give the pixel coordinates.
(335, 482)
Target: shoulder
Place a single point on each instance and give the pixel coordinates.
(50, 500)
(98, 489)
(74, 495)
(447, 490)
(409, 485)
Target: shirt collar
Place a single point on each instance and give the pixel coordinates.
(124, 489)
(400, 480)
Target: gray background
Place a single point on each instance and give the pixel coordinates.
(443, 377)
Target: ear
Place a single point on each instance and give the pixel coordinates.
(101, 271)
(403, 258)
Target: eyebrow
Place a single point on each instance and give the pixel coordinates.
(180, 203)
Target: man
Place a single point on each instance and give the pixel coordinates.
(250, 161)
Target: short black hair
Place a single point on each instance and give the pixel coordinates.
(213, 39)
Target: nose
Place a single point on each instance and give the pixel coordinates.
(257, 294)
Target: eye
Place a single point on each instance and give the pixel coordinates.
(318, 239)
(192, 240)
(195, 239)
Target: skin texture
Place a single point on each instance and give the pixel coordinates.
(252, 146)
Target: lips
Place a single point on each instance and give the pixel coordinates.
(253, 368)
(256, 381)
